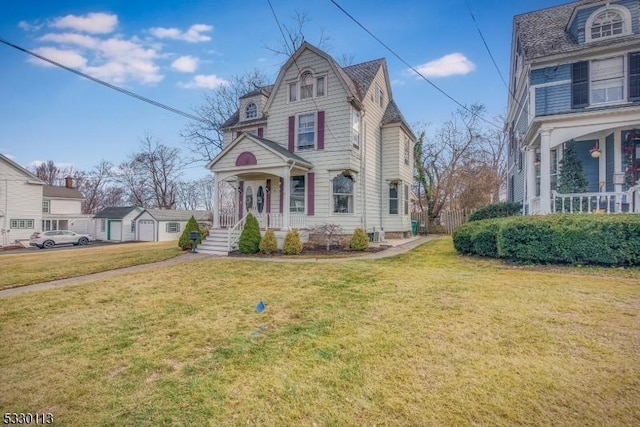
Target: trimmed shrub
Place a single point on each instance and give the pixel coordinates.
(249, 242)
(496, 210)
(292, 243)
(359, 240)
(204, 232)
(268, 243)
(185, 238)
(559, 239)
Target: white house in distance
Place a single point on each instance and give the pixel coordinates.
(62, 209)
(324, 144)
(159, 225)
(20, 202)
(575, 81)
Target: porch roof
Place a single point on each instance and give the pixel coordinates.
(276, 152)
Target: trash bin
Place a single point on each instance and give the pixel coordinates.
(414, 227)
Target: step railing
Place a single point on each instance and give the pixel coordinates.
(234, 233)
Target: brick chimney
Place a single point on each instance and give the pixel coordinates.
(68, 182)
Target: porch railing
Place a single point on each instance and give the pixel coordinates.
(234, 233)
(606, 202)
(266, 220)
(228, 220)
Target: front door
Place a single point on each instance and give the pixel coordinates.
(254, 197)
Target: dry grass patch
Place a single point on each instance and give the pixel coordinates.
(28, 268)
(426, 338)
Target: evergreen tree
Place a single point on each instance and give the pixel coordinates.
(185, 241)
(249, 242)
(571, 177)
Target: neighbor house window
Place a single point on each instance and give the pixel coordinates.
(46, 206)
(173, 227)
(297, 194)
(355, 127)
(306, 131)
(251, 111)
(393, 198)
(343, 194)
(607, 80)
(102, 224)
(612, 22)
(406, 199)
(21, 223)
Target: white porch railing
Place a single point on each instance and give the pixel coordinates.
(234, 233)
(606, 202)
(228, 220)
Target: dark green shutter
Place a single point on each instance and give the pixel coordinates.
(580, 84)
(634, 76)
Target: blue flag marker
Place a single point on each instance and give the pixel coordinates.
(260, 307)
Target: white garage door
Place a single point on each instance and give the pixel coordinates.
(145, 228)
(115, 230)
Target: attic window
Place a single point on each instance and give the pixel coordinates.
(251, 111)
(611, 22)
(306, 85)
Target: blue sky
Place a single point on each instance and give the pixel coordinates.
(173, 52)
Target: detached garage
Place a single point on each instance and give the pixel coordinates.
(159, 225)
(117, 224)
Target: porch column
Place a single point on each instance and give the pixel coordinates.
(215, 205)
(284, 193)
(545, 172)
(530, 177)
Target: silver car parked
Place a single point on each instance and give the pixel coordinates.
(49, 239)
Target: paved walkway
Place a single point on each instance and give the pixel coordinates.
(396, 247)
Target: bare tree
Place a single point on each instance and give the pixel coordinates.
(295, 36)
(457, 167)
(97, 188)
(329, 233)
(150, 175)
(205, 138)
(50, 173)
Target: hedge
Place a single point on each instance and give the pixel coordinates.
(558, 239)
(496, 210)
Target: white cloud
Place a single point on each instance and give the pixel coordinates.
(201, 81)
(192, 35)
(448, 65)
(185, 64)
(81, 40)
(397, 83)
(28, 26)
(69, 58)
(94, 23)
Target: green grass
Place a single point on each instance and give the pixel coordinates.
(42, 266)
(425, 338)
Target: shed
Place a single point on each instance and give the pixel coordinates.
(117, 223)
(159, 225)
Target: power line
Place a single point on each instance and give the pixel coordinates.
(436, 87)
(102, 82)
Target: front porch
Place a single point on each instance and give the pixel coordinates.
(603, 202)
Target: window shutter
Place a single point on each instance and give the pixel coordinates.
(260, 132)
(292, 132)
(268, 202)
(634, 76)
(311, 193)
(320, 130)
(240, 198)
(580, 84)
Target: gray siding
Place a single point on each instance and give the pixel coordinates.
(518, 186)
(609, 153)
(551, 74)
(553, 99)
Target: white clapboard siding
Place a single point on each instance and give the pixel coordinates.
(20, 198)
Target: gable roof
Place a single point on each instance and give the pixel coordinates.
(544, 32)
(177, 215)
(272, 146)
(363, 74)
(32, 178)
(393, 115)
(61, 192)
(116, 212)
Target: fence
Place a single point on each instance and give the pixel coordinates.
(451, 219)
(423, 221)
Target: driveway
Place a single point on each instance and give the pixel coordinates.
(34, 249)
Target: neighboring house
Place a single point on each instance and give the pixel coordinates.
(20, 202)
(324, 144)
(62, 209)
(117, 223)
(575, 79)
(158, 225)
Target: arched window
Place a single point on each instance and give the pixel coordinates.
(306, 85)
(251, 111)
(610, 22)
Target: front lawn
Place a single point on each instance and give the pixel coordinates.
(43, 266)
(425, 338)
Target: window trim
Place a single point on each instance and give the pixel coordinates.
(173, 227)
(621, 10)
(21, 224)
(304, 194)
(396, 198)
(620, 78)
(47, 203)
(351, 195)
(355, 128)
(254, 111)
(313, 146)
(295, 86)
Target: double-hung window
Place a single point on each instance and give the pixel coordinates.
(407, 152)
(406, 199)
(393, 198)
(297, 194)
(342, 194)
(21, 223)
(173, 227)
(306, 131)
(607, 80)
(46, 206)
(355, 128)
(306, 85)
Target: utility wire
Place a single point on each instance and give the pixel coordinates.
(102, 82)
(436, 87)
